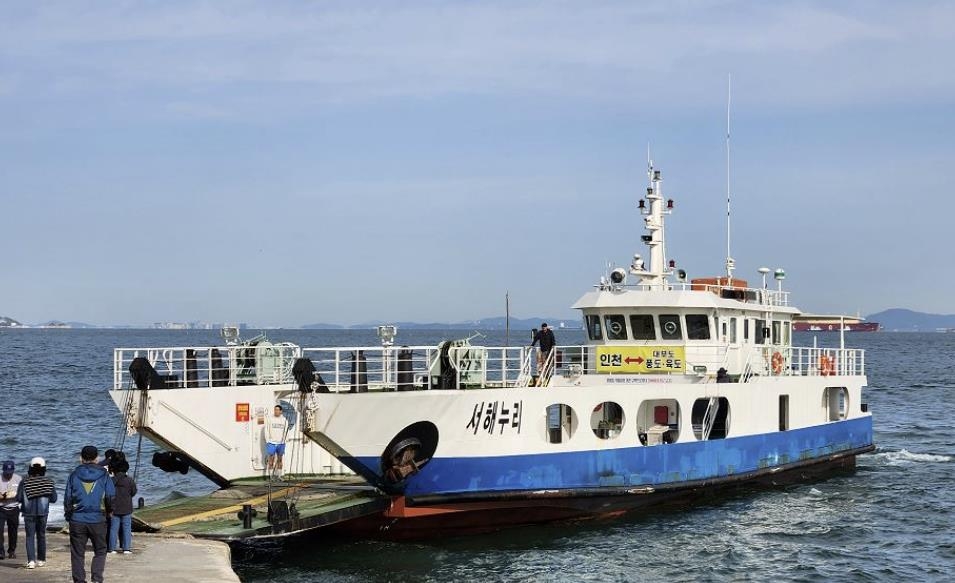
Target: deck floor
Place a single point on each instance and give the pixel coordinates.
(317, 503)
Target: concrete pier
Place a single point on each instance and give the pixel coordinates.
(156, 558)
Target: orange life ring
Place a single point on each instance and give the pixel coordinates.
(777, 363)
(827, 366)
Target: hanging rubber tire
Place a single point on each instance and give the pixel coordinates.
(410, 450)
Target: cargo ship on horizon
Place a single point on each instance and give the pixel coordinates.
(825, 323)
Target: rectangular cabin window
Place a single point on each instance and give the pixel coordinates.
(777, 336)
(787, 329)
(783, 412)
(641, 326)
(732, 330)
(616, 327)
(670, 327)
(593, 328)
(759, 334)
(697, 327)
(745, 330)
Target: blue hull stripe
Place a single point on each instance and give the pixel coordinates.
(633, 466)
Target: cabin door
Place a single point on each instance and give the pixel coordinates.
(257, 450)
(730, 334)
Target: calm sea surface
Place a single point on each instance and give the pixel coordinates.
(893, 519)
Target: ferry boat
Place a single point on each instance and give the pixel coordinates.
(680, 388)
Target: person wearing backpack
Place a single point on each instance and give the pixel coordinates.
(35, 495)
(87, 504)
(120, 530)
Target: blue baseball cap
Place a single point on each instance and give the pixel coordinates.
(8, 467)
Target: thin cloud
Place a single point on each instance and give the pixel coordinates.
(199, 53)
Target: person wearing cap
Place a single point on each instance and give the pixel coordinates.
(87, 503)
(546, 341)
(9, 509)
(35, 495)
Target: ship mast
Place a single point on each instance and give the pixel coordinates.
(730, 263)
(653, 207)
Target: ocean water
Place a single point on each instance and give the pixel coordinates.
(892, 519)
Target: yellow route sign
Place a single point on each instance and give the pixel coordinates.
(641, 359)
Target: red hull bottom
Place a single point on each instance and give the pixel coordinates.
(404, 521)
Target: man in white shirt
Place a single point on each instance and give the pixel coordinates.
(9, 509)
(276, 430)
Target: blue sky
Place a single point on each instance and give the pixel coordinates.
(289, 162)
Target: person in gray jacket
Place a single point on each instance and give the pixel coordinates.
(122, 520)
(35, 495)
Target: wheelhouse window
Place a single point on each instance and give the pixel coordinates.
(616, 327)
(745, 330)
(594, 330)
(732, 330)
(641, 326)
(670, 327)
(777, 337)
(760, 332)
(697, 327)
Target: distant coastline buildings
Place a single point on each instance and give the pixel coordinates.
(194, 325)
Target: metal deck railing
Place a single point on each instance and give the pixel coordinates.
(360, 369)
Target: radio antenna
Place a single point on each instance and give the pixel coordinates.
(730, 264)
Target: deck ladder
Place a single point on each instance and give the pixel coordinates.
(709, 418)
(527, 371)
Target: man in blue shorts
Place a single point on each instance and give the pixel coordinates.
(276, 430)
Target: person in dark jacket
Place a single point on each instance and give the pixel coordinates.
(87, 503)
(122, 520)
(546, 340)
(35, 495)
(9, 509)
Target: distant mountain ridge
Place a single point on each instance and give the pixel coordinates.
(904, 320)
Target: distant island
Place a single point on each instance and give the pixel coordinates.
(8, 322)
(903, 320)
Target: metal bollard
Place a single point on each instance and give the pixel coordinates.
(246, 514)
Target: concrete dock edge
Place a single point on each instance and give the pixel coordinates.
(156, 557)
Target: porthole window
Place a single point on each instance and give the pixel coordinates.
(560, 423)
(658, 421)
(616, 327)
(836, 402)
(710, 418)
(607, 420)
(641, 327)
(670, 327)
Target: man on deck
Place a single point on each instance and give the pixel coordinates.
(546, 341)
(276, 430)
